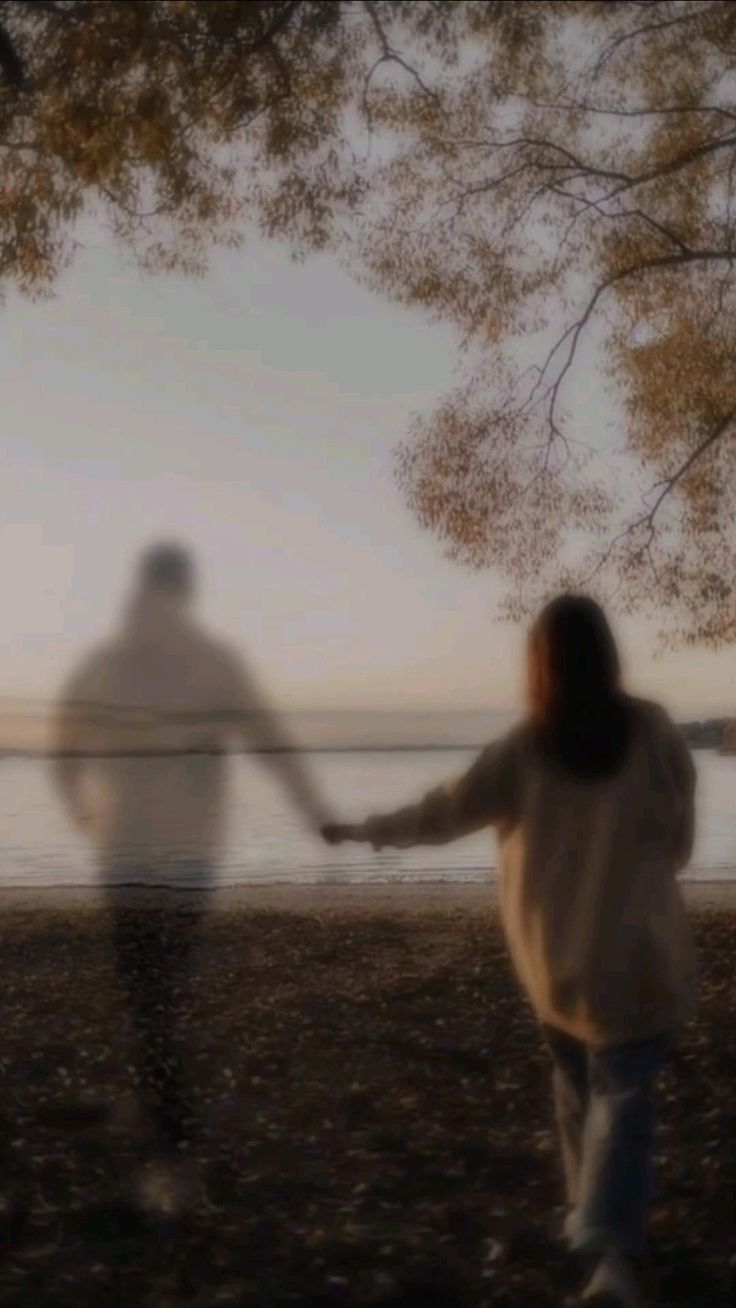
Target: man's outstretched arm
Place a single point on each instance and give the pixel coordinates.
(262, 728)
(68, 747)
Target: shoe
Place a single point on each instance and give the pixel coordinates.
(613, 1285)
(168, 1188)
(568, 1228)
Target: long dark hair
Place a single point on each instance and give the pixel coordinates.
(580, 717)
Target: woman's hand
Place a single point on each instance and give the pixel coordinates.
(335, 833)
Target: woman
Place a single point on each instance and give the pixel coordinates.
(592, 799)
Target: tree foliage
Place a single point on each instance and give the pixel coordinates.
(176, 121)
(573, 205)
(554, 177)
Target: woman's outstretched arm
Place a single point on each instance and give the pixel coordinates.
(487, 793)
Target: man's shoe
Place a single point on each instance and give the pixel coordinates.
(613, 1285)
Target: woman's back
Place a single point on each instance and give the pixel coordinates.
(592, 797)
(592, 910)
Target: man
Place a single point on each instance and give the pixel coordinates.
(141, 736)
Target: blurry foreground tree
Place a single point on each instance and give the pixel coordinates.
(554, 177)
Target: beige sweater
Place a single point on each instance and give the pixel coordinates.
(592, 910)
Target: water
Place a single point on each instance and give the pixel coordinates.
(267, 843)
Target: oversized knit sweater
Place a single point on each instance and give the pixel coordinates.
(590, 903)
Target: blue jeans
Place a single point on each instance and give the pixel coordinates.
(604, 1106)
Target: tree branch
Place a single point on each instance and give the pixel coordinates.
(646, 29)
(675, 165)
(626, 180)
(667, 485)
(663, 488)
(575, 331)
(646, 218)
(640, 111)
(389, 55)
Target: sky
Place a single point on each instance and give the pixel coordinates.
(253, 414)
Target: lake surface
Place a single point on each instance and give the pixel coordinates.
(267, 843)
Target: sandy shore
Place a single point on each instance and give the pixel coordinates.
(372, 1109)
(427, 897)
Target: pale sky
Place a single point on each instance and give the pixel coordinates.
(252, 415)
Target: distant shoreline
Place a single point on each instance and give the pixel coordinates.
(715, 734)
(709, 733)
(322, 900)
(218, 753)
(300, 749)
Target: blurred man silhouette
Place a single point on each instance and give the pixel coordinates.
(141, 736)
